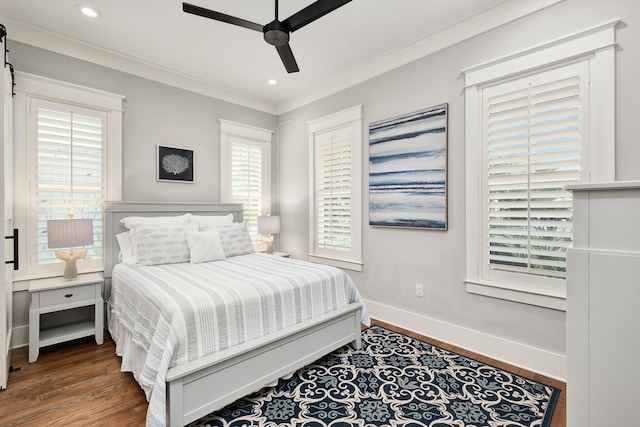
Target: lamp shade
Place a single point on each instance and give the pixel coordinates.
(269, 224)
(69, 233)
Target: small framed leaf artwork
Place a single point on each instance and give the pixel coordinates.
(175, 164)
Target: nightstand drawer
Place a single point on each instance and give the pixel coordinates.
(67, 295)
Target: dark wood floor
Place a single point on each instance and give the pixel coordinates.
(80, 384)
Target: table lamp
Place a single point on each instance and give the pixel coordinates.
(268, 226)
(69, 233)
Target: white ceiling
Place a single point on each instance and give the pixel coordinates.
(157, 40)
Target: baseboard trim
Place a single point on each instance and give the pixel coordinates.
(534, 359)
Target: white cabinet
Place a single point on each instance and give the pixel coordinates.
(603, 297)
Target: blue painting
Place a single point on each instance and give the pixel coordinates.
(408, 170)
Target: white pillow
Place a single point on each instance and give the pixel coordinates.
(205, 246)
(235, 238)
(131, 221)
(161, 244)
(126, 250)
(211, 219)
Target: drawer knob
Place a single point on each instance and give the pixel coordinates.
(68, 295)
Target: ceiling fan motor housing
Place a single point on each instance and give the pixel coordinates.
(276, 33)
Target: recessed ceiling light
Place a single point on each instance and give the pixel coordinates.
(88, 11)
(272, 82)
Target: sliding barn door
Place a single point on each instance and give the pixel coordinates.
(6, 218)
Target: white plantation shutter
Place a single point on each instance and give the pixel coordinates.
(248, 180)
(533, 146)
(70, 176)
(333, 190)
(335, 170)
(245, 172)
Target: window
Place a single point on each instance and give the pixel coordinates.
(335, 177)
(535, 122)
(333, 189)
(69, 172)
(73, 155)
(533, 130)
(246, 171)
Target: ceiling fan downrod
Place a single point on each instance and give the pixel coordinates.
(276, 33)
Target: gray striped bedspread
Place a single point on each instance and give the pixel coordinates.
(181, 312)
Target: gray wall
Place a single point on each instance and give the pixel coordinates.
(394, 259)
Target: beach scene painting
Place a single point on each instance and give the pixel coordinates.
(408, 170)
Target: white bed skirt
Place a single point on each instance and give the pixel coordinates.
(133, 356)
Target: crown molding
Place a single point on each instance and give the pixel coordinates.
(482, 22)
(46, 40)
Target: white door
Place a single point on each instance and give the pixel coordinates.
(6, 218)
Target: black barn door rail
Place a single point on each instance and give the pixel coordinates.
(15, 262)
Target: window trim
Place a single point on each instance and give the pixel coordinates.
(347, 117)
(28, 87)
(257, 135)
(597, 46)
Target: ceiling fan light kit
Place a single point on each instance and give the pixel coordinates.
(276, 33)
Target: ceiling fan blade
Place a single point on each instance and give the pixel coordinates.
(206, 13)
(312, 12)
(287, 58)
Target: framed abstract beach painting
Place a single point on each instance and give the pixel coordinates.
(408, 170)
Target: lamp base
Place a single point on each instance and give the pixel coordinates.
(268, 240)
(70, 258)
(269, 249)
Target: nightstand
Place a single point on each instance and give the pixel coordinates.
(282, 254)
(55, 295)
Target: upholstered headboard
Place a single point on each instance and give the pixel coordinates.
(115, 211)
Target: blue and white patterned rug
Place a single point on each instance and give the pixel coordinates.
(394, 380)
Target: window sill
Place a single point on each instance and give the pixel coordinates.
(529, 296)
(340, 263)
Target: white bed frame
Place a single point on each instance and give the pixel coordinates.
(208, 384)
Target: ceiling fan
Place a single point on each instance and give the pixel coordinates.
(276, 32)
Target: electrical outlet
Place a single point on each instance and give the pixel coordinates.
(419, 290)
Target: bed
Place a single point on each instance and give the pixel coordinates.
(184, 382)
